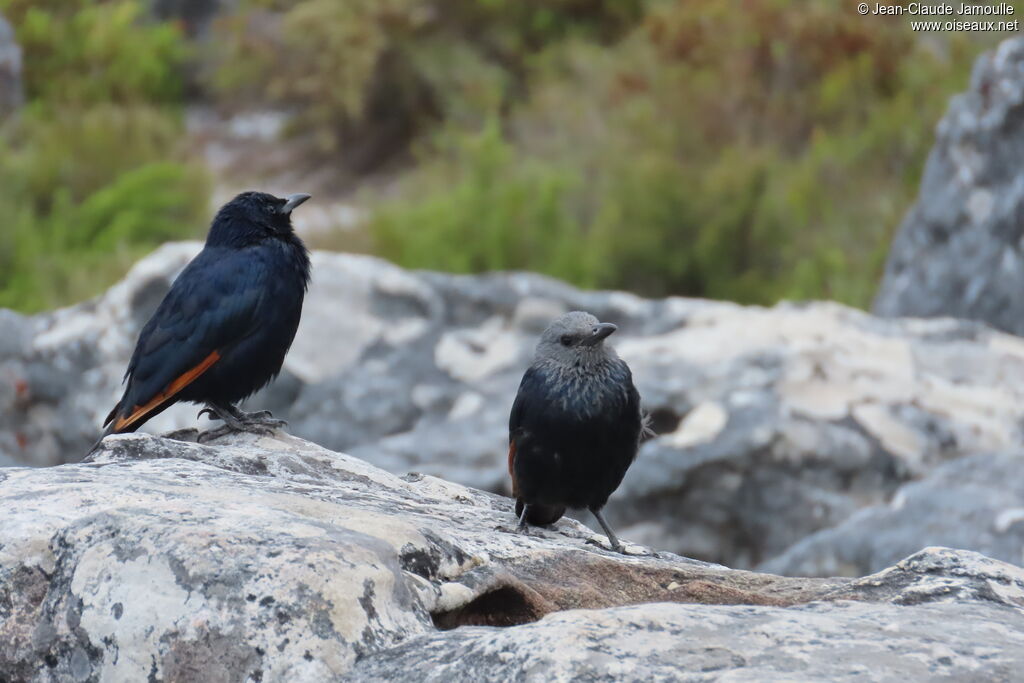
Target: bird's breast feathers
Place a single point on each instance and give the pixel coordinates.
(584, 394)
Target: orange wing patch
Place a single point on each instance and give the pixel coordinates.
(172, 390)
(511, 467)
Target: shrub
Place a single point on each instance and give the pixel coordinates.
(87, 52)
(90, 171)
(367, 77)
(750, 153)
(70, 231)
(486, 209)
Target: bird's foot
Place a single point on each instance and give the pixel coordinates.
(627, 549)
(603, 544)
(520, 528)
(613, 540)
(259, 416)
(261, 422)
(209, 435)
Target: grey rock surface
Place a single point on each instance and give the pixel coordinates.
(976, 501)
(824, 641)
(273, 559)
(773, 424)
(960, 249)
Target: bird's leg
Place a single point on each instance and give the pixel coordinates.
(612, 538)
(523, 528)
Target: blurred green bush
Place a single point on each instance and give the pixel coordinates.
(365, 78)
(750, 151)
(88, 52)
(91, 175)
(743, 149)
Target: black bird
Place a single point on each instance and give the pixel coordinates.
(575, 425)
(223, 329)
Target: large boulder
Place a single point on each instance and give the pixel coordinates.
(823, 641)
(976, 501)
(960, 249)
(272, 559)
(773, 424)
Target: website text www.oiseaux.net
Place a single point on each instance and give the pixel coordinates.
(948, 17)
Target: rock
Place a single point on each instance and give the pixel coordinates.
(801, 416)
(976, 501)
(773, 424)
(959, 250)
(12, 94)
(671, 642)
(274, 559)
(57, 382)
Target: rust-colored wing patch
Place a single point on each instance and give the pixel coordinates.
(511, 467)
(173, 389)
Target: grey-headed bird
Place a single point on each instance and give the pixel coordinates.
(575, 426)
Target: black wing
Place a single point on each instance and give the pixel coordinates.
(211, 306)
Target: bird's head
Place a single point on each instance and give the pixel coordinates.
(254, 216)
(575, 339)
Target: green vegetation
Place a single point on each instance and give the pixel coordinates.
(366, 77)
(751, 150)
(90, 175)
(751, 154)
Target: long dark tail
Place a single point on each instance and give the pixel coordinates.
(109, 425)
(540, 515)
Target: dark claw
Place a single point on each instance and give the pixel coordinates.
(618, 548)
(614, 547)
(211, 434)
(261, 418)
(270, 424)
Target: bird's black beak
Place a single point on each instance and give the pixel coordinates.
(292, 201)
(599, 333)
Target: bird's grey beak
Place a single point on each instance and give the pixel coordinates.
(293, 201)
(600, 332)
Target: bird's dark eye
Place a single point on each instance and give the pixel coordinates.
(566, 340)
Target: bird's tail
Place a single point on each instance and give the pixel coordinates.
(110, 427)
(95, 447)
(539, 514)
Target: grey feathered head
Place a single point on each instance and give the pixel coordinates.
(575, 339)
